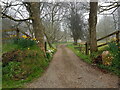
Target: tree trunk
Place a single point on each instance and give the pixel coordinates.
(92, 26)
(75, 41)
(37, 24)
(50, 45)
(119, 18)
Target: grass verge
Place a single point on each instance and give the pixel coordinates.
(22, 65)
(88, 59)
(79, 54)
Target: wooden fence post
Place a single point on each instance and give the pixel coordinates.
(86, 48)
(117, 37)
(17, 33)
(45, 46)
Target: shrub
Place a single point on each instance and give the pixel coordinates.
(115, 51)
(31, 65)
(11, 69)
(113, 48)
(23, 61)
(24, 43)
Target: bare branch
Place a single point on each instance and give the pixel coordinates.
(109, 7)
(14, 18)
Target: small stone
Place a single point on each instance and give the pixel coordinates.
(79, 77)
(100, 77)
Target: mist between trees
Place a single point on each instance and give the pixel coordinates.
(61, 21)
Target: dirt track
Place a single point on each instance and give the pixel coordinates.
(67, 71)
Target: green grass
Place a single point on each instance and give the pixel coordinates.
(111, 69)
(88, 58)
(20, 83)
(9, 47)
(32, 65)
(84, 57)
(18, 44)
(102, 48)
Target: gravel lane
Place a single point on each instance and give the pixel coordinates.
(66, 70)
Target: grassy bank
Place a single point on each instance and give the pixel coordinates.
(22, 64)
(89, 59)
(84, 57)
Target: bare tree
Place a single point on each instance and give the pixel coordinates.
(34, 12)
(53, 16)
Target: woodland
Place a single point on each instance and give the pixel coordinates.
(34, 32)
